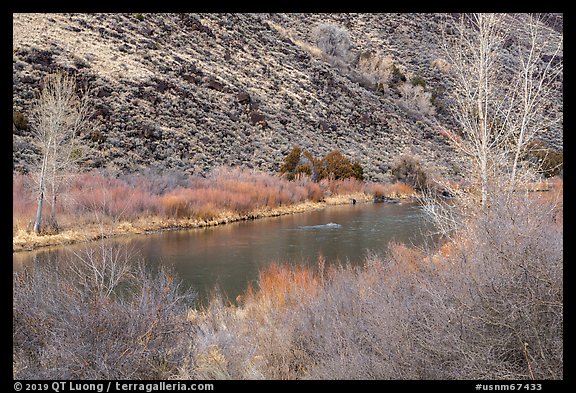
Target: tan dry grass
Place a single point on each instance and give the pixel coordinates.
(46, 30)
(25, 241)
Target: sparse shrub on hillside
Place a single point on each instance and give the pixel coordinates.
(409, 170)
(139, 16)
(416, 98)
(437, 102)
(377, 67)
(397, 76)
(418, 81)
(19, 120)
(441, 65)
(332, 40)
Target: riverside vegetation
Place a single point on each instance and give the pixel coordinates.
(486, 305)
(95, 205)
(483, 302)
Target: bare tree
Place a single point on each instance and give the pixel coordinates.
(499, 103)
(59, 115)
(539, 69)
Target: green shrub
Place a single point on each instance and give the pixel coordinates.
(305, 169)
(358, 171)
(418, 81)
(315, 165)
(19, 120)
(334, 166)
(291, 161)
(76, 154)
(397, 76)
(139, 16)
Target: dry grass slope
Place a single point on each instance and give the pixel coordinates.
(193, 91)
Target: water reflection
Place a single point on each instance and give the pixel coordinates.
(232, 255)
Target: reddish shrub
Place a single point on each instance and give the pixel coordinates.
(283, 285)
(23, 201)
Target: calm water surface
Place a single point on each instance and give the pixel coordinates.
(232, 255)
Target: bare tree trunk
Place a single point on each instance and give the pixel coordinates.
(484, 183)
(38, 220)
(53, 221)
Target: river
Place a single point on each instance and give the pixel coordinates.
(232, 255)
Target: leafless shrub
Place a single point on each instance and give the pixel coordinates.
(103, 317)
(223, 347)
(377, 67)
(415, 98)
(502, 296)
(157, 182)
(332, 40)
(408, 169)
(488, 305)
(441, 65)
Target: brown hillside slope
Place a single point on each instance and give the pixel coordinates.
(192, 91)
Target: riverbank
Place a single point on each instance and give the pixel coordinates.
(28, 241)
(296, 318)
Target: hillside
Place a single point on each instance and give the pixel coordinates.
(189, 92)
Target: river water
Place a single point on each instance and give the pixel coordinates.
(232, 255)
